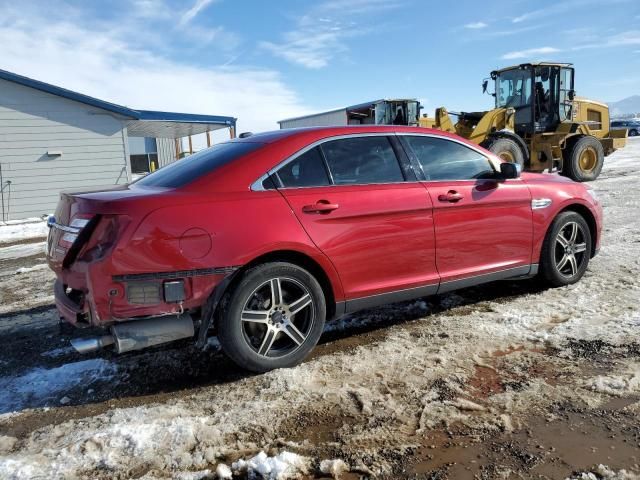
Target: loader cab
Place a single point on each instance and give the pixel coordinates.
(541, 95)
(397, 112)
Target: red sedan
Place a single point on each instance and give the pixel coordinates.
(263, 238)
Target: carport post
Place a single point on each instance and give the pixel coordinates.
(190, 146)
(208, 138)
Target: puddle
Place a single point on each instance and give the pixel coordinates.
(548, 450)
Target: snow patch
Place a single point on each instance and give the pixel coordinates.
(335, 467)
(58, 352)
(13, 232)
(7, 443)
(41, 386)
(603, 472)
(283, 466)
(35, 268)
(617, 385)
(22, 250)
(223, 472)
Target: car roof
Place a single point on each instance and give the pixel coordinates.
(331, 131)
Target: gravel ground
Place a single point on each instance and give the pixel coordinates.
(507, 380)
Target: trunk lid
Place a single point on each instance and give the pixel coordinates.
(78, 214)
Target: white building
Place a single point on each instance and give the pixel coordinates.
(54, 139)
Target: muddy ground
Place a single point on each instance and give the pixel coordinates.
(506, 380)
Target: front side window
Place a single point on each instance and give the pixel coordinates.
(443, 159)
(362, 160)
(306, 170)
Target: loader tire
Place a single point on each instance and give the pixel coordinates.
(506, 148)
(583, 159)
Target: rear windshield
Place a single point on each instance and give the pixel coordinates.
(194, 166)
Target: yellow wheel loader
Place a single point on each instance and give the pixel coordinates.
(539, 123)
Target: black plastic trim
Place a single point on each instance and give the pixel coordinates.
(390, 297)
(526, 271)
(211, 306)
(178, 274)
(341, 309)
(523, 271)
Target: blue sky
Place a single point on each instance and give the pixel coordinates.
(262, 61)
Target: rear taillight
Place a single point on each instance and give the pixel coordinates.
(71, 232)
(104, 236)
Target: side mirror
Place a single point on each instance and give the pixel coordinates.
(485, 84)
(510, 170)
(571, 94)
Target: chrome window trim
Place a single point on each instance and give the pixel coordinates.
(257, 185)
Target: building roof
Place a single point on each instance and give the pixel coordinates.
(143, 123)
(348, 109)
(345, 109)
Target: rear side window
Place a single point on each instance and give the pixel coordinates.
(443, 159)
(362, 160)
(307, 170)
(194, 166)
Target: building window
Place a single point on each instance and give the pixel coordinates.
(143, 155)
(144, 163)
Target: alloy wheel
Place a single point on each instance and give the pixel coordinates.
(570, 249)
(277, 317)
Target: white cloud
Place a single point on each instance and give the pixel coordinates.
(631, 37)
(565, 6)
(628, 38)
(151, 9)
(476, 25)
(529, 53)
(321, 33)
(197, 7)
(312, 48)
(96, 59)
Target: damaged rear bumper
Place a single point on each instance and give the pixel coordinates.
(71, 305)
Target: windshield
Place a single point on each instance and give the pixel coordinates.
(188, 169)
(513, 88)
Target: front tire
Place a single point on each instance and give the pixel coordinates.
(633, 132)
(583, 159)
(273, 317)
(566, 250)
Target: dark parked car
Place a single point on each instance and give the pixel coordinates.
(633, 126)
(263, 238)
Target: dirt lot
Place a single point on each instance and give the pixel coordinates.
(507, 380)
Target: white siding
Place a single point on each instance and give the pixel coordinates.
(166, 151)
(33, 123)
(326, 119)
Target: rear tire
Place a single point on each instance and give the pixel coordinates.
(505, 148)
(273, 317)
(633, 132)
(566, 250)
(583, 159)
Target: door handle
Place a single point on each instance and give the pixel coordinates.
(451, 196)
(321, 206)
